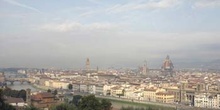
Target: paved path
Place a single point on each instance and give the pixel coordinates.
(177, 106)
(141, 102)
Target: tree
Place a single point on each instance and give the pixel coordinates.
(106, 104)
(49, 90)
(70, 86)
(30, 108)
(15, 93)
(123, 92)
(64, 106)
(22, 94)
(55, 92)
(89, 103)
(3, 105)
(8, 107)
(7, 91)
(76, 99)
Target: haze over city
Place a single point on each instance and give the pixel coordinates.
(121, 33)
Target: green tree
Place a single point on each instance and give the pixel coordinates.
(89, 103)
(70, 86)
(66, 100)
(49, 90)
(64, 106)
(55, 92)
(76, 99)
(22, 94)
(149, 108)
(15, 93)
(30, 108)
(123, 92)
(7, 91)
(8, 107)
(106, 104)
(3, 105)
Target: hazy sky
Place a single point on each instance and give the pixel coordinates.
(123, 33)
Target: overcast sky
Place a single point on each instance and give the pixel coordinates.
(119, 33)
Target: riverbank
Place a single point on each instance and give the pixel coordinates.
(44, 88)
(119, 103)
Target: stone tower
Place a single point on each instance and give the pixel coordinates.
(144, 71)
(28, 96)
(97, 69)
(87, 64)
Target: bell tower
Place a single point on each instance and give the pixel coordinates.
(28, 96)
(87, 64)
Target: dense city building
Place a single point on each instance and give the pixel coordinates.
(189, 87)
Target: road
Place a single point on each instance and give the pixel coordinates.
(129, 100)
(177, 106)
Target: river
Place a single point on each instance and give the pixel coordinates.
(19, 86)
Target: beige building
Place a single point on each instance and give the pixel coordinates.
(128, 93)
(103, 89)
(164, 97)
(68, 76)
(76, 86)
(57, 84)
(48, 83)
(2, 77)
(207, 100)
(137, 95)
(99, 89)
(176, 92)
(91, 88)
(116, 91)
(150, 94)
(83, 87)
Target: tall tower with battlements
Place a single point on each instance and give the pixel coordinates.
(87, 64)
(144, 70)
(28, 96)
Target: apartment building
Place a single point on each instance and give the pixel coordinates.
(207, 100)
(164, 97)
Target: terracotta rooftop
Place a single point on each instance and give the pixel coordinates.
(153, 90)
(13, 100)
(40, 96)
(164, 93)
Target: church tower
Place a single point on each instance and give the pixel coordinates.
(144, 71)
(28, 96)
(87, 64)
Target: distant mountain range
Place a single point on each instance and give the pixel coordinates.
(215, 64)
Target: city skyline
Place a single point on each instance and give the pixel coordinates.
(120, 33)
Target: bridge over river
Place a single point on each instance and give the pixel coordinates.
(21, 80)
(14, 77)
